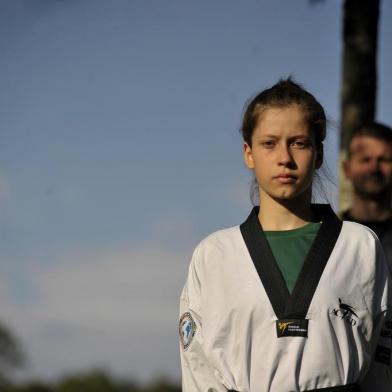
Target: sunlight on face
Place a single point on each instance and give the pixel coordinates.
(283, 154)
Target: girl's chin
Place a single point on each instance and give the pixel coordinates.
(287, 196)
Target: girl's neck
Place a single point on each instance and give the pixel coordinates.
(276, 215)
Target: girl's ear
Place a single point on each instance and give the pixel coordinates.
(319, 156)
(248, 156)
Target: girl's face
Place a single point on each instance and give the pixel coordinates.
(283, 154)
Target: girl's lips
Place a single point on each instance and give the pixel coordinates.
(286, 178)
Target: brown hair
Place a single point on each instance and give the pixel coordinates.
(373, 129)
(285, 93)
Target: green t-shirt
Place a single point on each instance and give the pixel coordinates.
(290, 248)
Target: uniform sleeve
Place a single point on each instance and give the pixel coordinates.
(197, 372)
(379, 375)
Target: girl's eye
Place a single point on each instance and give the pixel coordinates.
(268, 143)
(299, 144)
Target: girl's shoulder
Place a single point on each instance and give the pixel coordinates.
(359, 239)
(221, 239)
(358, 231)
(363, 243)
(221, 245)
(221, 235)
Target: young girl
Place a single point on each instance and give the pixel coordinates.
(293, 299)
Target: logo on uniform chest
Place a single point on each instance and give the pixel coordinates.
(292, 327)
(346, 312)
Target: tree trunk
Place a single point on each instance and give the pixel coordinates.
(359, 83)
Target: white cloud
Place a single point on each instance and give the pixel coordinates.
(116, 310)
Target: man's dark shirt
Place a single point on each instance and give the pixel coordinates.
(383, 230)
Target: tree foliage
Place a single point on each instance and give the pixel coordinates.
(10, 354)
(96, 381)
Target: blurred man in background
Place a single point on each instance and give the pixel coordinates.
(369, 168)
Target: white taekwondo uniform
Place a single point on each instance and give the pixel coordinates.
(241, 330)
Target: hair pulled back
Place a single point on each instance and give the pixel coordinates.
(285, 93)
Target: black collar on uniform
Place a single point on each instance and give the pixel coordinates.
(297, 304)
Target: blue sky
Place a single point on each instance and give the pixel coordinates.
(119, 151)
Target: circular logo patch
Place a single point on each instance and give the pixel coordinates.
(187, 329)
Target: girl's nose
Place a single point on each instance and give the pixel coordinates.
(285, 156)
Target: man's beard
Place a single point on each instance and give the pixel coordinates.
(373, 186)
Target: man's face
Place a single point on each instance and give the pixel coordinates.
(369, 167)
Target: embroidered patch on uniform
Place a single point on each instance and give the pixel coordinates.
(292, 327)
(346, 312)
(383, 355)
(187, 329)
